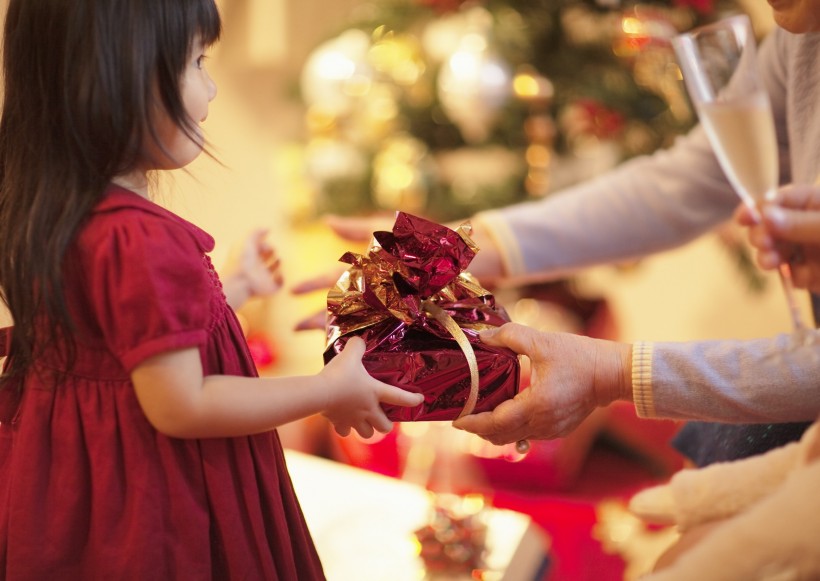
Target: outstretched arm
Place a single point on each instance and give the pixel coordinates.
(180, 402)
(756, 380)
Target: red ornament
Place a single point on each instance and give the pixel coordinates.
(263, 350)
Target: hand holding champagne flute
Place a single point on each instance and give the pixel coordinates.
(719, 65)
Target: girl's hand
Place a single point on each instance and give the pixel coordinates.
(571, 376)
(353, 396)
(258, 272)
(790, 232)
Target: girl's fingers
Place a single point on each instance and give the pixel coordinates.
(343, 431)
(355, 347)
(397, 396)
(381, 423)
(365, 429)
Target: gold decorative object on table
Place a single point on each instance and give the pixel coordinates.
(453, 541)
(366, 528)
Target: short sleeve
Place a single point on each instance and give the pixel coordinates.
(147, 283)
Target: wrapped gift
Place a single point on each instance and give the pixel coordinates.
(420, 313)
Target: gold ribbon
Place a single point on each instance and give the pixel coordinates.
(443, 317)
(452, 327)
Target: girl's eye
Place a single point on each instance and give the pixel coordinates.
(200, 61)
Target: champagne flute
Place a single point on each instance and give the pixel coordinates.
(719, 65)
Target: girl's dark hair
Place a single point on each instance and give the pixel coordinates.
(82, 81)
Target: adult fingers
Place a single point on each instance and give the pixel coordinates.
(799, 226)
(801, 275)
(806, 276)
(358, 229)
(768, 259)
(505, 424)
(519, 338)
(317, 320)
(798, 197)
(745, 216)
(761, 238)
(323, 281)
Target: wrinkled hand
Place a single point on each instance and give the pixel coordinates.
(571, 376)
(790, 231)
(354, 396)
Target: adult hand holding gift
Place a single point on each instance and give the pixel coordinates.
(419, 314)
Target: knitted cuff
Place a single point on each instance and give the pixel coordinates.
(642, 379)
(510, 252)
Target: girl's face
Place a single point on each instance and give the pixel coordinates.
(198, 90)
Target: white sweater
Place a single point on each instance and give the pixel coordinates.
(661, 201)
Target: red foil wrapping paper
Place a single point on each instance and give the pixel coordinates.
(385, 296)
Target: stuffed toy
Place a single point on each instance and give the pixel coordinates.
(761, 514)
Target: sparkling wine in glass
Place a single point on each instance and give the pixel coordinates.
(719, 65)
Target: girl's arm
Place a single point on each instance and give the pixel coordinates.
(180, 402)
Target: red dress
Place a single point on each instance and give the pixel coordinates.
(88, 488)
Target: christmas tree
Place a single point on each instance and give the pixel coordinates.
(446, 107)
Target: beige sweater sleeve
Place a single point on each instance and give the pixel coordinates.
(761, 380)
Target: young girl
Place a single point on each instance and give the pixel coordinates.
(136, 441)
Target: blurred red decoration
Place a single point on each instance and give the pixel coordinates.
(599, 120)
(263, 350)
